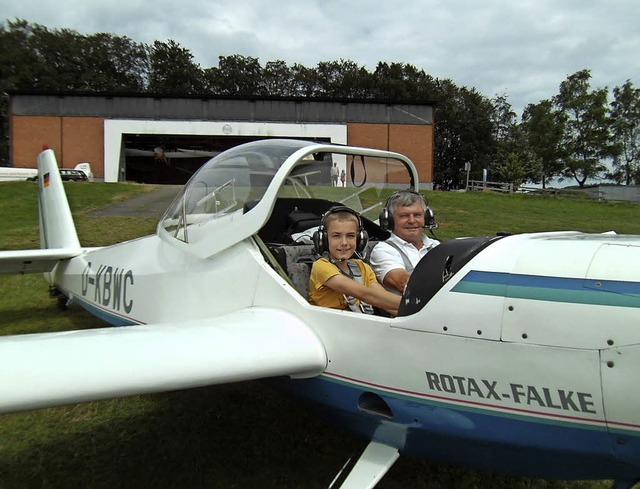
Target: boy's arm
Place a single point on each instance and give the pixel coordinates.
(375, 294)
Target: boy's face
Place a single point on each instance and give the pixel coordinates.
(342, 238)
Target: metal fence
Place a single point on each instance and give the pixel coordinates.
(509, 188)
(502, 187)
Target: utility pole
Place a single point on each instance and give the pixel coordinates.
(467, 168)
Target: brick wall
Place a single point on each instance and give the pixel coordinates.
(73, 139)
(413, 141)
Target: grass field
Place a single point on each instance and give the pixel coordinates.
(231, 436)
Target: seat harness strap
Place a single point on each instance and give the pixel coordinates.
(408, 266)
(356, 305)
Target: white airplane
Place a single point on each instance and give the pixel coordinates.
(516, 354)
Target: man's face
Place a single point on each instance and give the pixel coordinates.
(408, 222)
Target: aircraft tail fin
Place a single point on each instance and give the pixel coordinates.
(58, 237)
(57, 230)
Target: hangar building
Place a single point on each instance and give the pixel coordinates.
(155, 139)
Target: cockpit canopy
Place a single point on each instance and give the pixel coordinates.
(232, 196)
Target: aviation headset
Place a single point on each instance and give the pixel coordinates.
(321, 238)
(386, 215)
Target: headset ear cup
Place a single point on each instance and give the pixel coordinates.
(318, 239)
(386, 220)
(362, 240)
(430, 219)
(382, 219)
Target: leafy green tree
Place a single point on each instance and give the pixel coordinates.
(508, 168)
(504, 118)
(17, 61)
(586, 135)
(33, 57)
(235, 75)
(398, 81)
(342, 79)
(625, 127)
(304, 80)
(464, 134)
(56, 59)
(172, 70)
(507, 165)
(114, 63)
(277, 79)
(543, 128)
(16, 64)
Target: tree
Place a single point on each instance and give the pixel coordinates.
(508, 168)
(172, 70)
(507, 165)
(34, 58)
(464, 134)
(342, 79)
(16, 63)
(586, 128)
(236, 75)
(304, 81)
(17, 60)
(114, 63)
(398, 81)
(277, 79)
(543, 128)
(503, 118)
(625, 127)
(55, 59)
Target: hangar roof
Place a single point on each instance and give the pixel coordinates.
(139, 106)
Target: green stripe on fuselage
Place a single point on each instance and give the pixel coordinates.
(551, 294)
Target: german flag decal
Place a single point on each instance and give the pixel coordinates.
(45, 179)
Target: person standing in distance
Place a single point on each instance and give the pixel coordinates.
(393, 260)
(334, 175)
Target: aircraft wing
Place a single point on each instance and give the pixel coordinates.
(40, 370)
(33, 261)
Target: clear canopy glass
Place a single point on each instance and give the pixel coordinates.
(230, 185)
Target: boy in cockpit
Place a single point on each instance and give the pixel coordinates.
(339, 281)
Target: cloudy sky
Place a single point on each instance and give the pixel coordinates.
(521, 48)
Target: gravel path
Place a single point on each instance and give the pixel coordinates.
(150, 204)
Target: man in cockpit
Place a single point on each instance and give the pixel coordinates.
(393, 260)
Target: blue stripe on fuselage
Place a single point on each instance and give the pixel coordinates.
(555, 289)
(480, 438)
(106, 315)
(540, 281)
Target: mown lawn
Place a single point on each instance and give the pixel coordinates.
(230, 436)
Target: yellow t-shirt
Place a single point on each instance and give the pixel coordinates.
(321, 295)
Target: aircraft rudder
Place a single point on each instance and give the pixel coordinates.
(57, 229)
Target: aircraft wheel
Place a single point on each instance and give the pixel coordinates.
(61, 302)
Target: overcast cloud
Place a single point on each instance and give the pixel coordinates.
(521, 48)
